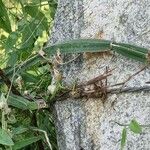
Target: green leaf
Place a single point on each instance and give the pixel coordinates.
(19, 130)
(52, 13)
(22, 103)
(52, 7)
(28, 35)
(18, 102)
(11, 40)
(34, 12)
(95, 45)
(13, 57)
(5, 139)
(22, 67)
(123, 138)
(29, 77)
(26, 142)
(79, 46)
(135, 126)
(131, 52)
(4, 19)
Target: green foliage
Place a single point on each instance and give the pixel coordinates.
(88, 45)
(5, 138)
(135, 127)
(25, 142)
(4, 19)
(123, 137)
(78, 46)
(95, 45)
(21, 103)
(11, 40)
(25, 26)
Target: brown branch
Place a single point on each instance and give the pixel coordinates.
(128, 89)
(129, 78)
(98, 78)
(98, 93)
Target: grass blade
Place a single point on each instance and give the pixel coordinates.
(79, 46)
(123, 138)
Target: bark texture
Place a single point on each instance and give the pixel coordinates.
(88, 124)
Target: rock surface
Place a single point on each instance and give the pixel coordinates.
(89, 124)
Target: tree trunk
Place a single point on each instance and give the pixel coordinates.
(89, 123)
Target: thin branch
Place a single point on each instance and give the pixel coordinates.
(98, 78)
(125, 125)
(120, 124)
(46, 136)
(145, 88)
(9, 83)
(130, 77)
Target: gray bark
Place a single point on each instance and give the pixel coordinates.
(88, 123)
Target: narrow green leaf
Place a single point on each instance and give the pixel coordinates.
(135, 127)
(19, 130)
(95, 45)
(18, 102)
(79, 46)
(133, 47)
(4, 19)
(130, 52)
(26, 65)
(29, 77)
(26, 142)
(22, 103)
(123, 138)
(5, 139)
